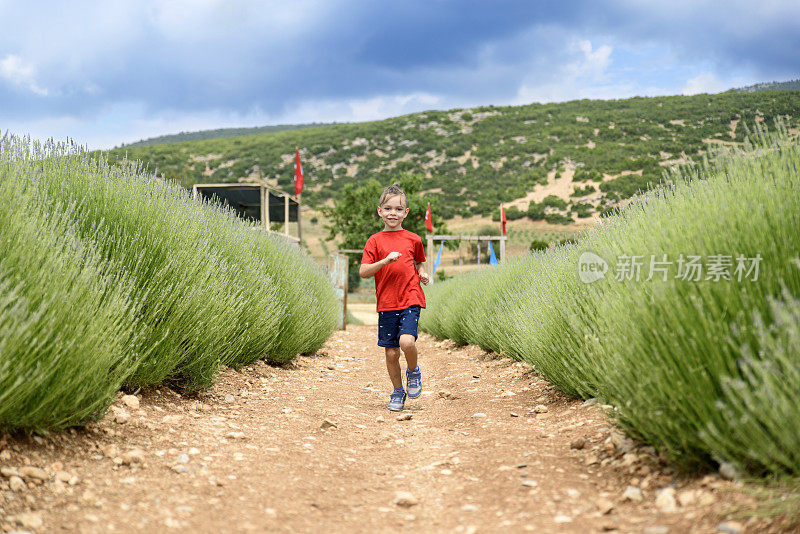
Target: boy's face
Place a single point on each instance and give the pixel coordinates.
(393, 211)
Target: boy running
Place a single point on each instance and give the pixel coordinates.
(395, 257)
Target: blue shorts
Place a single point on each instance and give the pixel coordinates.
(393, 323)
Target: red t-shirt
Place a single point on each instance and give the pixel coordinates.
(396, 284)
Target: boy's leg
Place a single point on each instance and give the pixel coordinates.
(409, 347)
(413, 373)
(393, 366)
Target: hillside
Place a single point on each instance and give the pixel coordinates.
(218, 134)
(791, 85)
(588, 154)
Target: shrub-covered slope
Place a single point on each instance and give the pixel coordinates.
(476, 158)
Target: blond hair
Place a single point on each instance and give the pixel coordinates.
(392, 190)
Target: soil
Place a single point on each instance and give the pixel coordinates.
(488, 447)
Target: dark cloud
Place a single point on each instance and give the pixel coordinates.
(241, 60)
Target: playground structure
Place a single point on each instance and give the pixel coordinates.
(431, 238)
(256, 202)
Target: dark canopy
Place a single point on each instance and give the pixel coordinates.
(245, 199)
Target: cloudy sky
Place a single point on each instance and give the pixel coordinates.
(110, 72)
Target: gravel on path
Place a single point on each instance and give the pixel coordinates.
(311, 447)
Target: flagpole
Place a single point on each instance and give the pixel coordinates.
(299, 231)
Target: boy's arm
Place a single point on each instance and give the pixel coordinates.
(423, 276)
(369, 269)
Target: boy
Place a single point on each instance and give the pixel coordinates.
(395, 257)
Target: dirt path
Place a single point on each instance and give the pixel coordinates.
(488, 448)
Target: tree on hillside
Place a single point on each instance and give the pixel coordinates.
(354, 216)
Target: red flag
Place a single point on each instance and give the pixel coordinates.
(503, 219)
(428, 222)
(298, 173)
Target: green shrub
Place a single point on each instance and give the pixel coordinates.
(552, 201)
(582, 209)
(201, 287)
(705, 371)
(535, 211)
(557, 218)
(538, 244)
(513, 213)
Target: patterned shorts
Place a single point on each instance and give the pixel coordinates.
(393, 323)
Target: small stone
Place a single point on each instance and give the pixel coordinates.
(577, 443)
(513, 414)
(235, 435)
(183, 458)
(379, 419)
(541, 408)
(9, 472)
(706, 499)
(562, 519)
(665, 500)
(131, 401)
(121, 417)
(479, 414)
(632, 493)
(29, 520)
(331, 367)
(405, 417)
(327, 423)
(194, 451)
(133, 456)
(446, 394)
(180, 469)
(604, 505)
(687, 498)
(110, 451)
(728, 471)
(590, 402)
(656, 529)
(229, 398)
(405, 499)
(16, 484)
(530, 483)
(63, 476)
(730, 527)
(34, 473)
(469, 508)
(608, 525)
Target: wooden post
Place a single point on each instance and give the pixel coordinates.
(479, 250)
(503, 249)
(346, 289)
(286, 214)
(299, 231)
(267, 198)
(194, 191)
(429, 267)
(264, 207)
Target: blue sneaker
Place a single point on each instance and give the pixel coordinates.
(397, 400)
(414, 382)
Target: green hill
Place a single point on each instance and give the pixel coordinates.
(791, 85)
(473, 159)
(218, 134)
